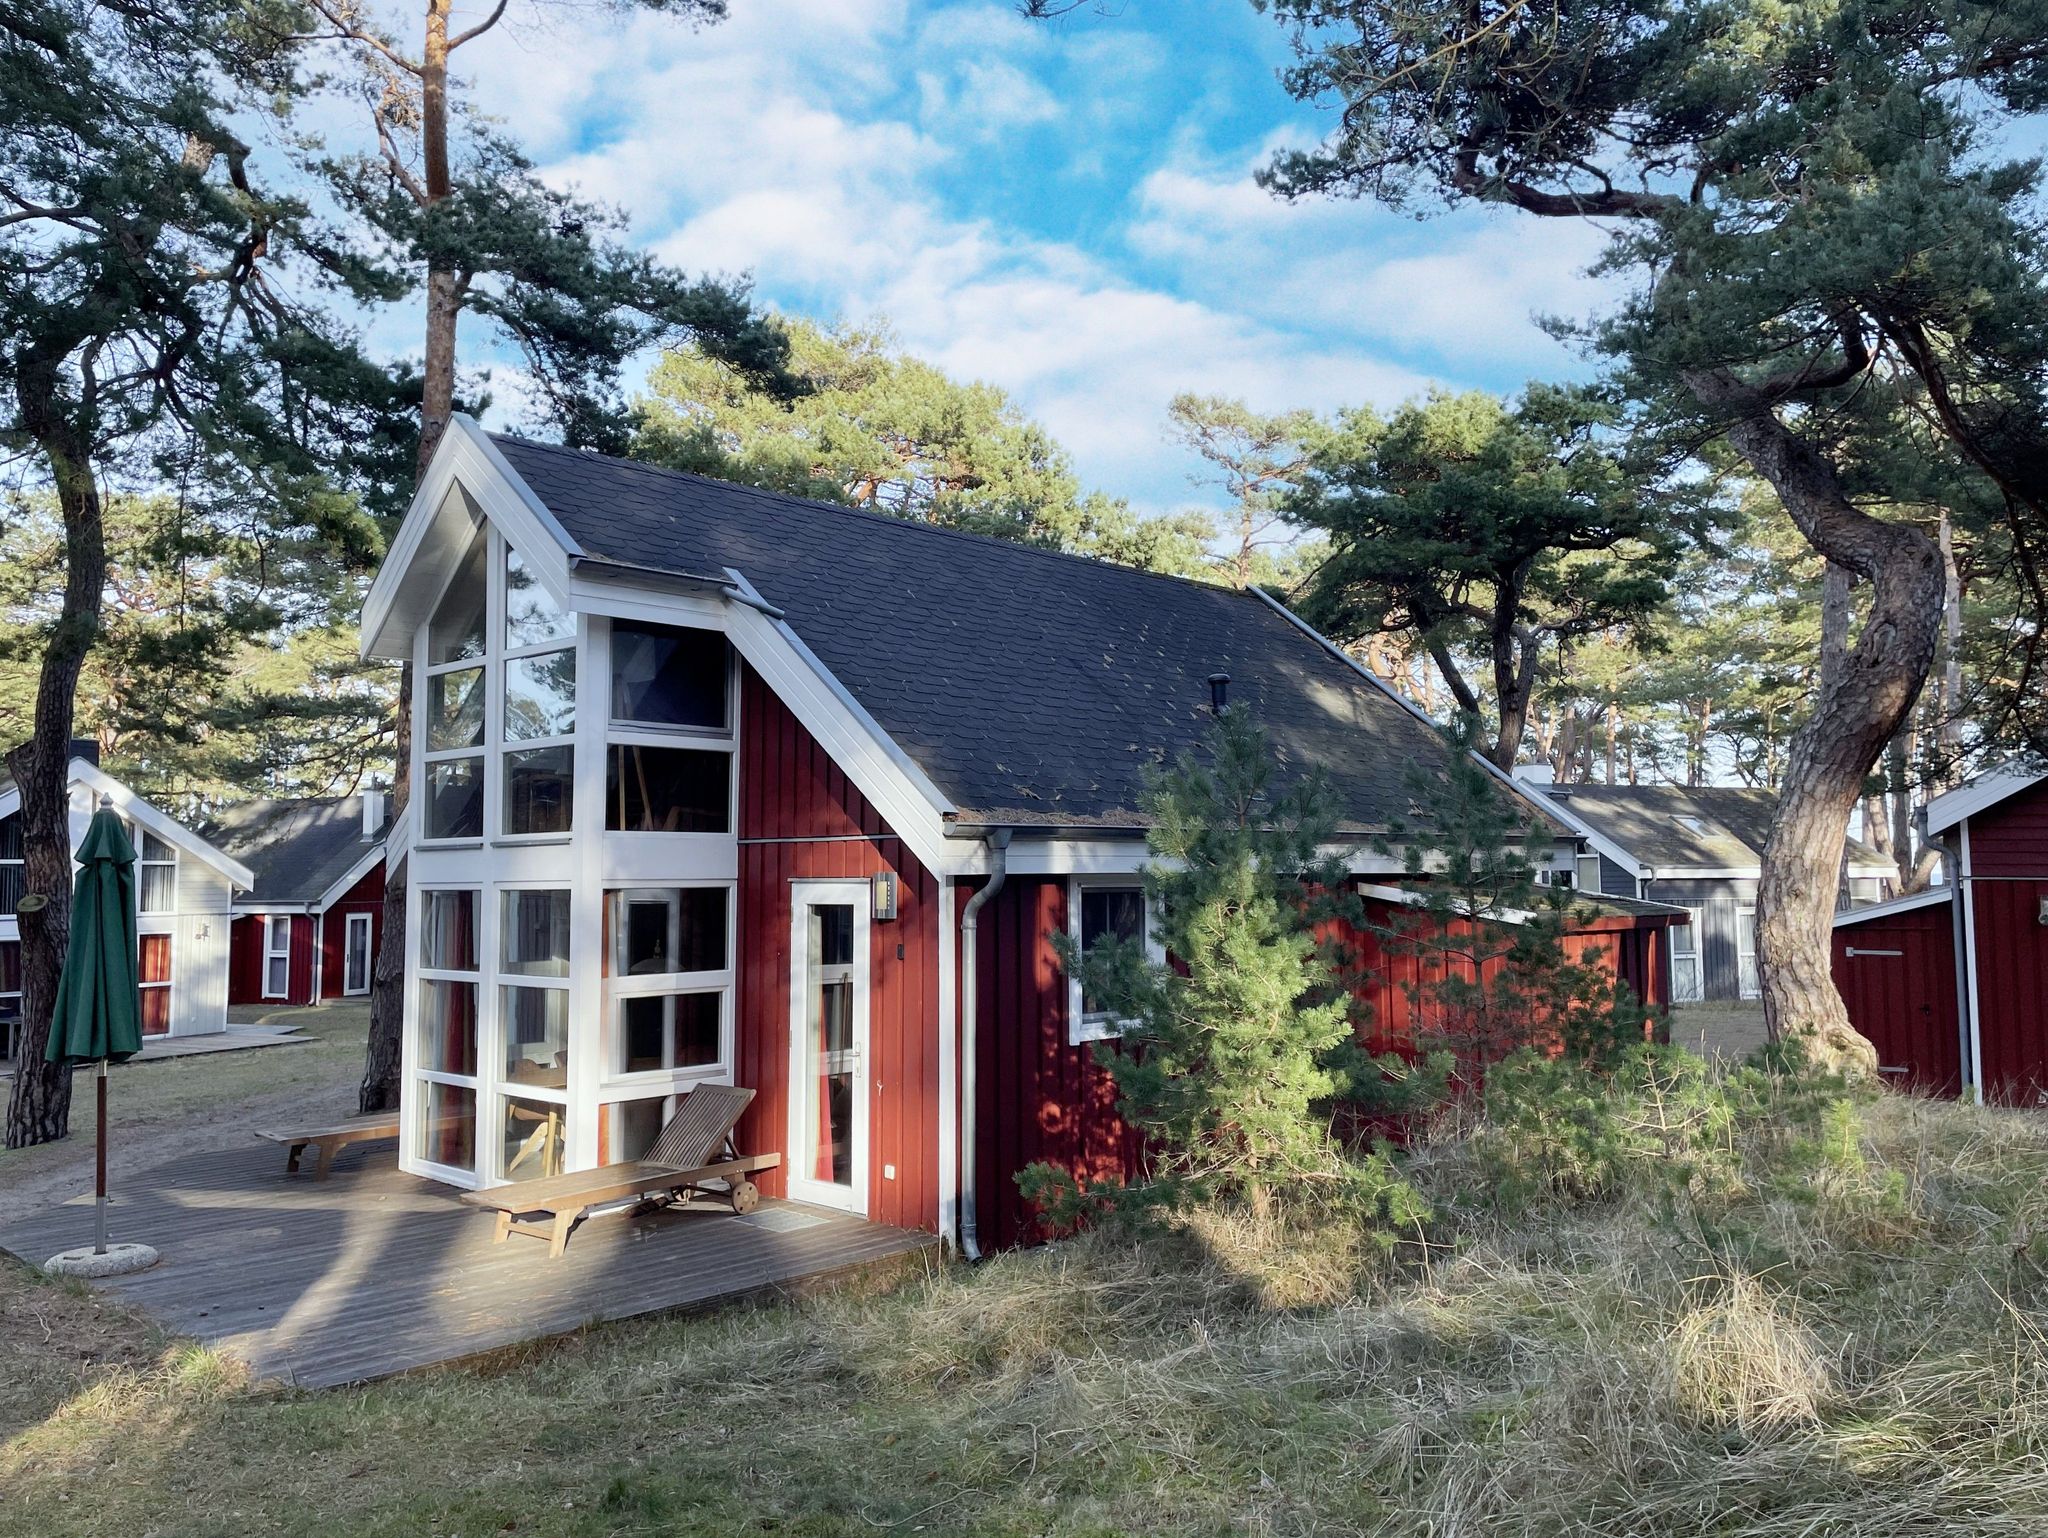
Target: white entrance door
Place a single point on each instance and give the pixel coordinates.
(828, 1018)
(355, 955)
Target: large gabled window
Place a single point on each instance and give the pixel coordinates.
(540, 705)
(456, 698)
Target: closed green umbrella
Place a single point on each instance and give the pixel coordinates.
(98, 1017)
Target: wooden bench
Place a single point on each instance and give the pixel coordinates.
(329, 1141)
(550, 1208)
(694, 1147)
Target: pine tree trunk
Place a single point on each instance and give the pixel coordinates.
(1871, 689)
(39, 1105)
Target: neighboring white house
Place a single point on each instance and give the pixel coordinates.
(184, 890)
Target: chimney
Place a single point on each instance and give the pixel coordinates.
(373, 816)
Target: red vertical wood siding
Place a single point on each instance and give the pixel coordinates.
(1905, 1002)
(2010, 840)
(366, 896)
(246, 949)
(791, 790)
(1038, 1098)
(2011, 985)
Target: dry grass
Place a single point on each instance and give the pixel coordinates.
(1864, 1354)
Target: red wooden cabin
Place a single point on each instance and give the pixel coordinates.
(1950, 984)
(718, 785)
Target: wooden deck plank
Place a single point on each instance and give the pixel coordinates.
(373, 1272)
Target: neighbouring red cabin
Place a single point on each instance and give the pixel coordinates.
(1950, 983)
(307, 931)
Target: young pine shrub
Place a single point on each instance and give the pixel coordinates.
(1226, 1063)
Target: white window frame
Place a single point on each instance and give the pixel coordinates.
(421, 974)
(274, 925)
(497, 691)
(1081, 1028)
(1695, 935)
(142, 864)
(10, 1025)
(621, 985)
(1745, 949)
(19, 867)
(429, 671)
(351, 924)
(169, 934)
(492, 1045)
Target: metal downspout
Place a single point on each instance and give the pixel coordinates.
(1972, 1086)
(970, 923)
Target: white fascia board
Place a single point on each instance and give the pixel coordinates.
(1409, 899)
(254, 906)
(466, 465)
(169, 829)
(1927, 899)
(1986, 791)
(1561, 808)
(373, 856)
(914, 808)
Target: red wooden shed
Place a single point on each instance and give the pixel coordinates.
(1950, 984)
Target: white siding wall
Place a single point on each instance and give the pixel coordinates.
(199, 948)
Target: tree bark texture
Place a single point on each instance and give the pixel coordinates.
(39, 1105)
(1873, 687)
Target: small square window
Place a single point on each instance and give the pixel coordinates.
(670, 1030)
(668, 790)
(535, 939)
(540, 790)
(665, 676)
(540, 695)
(661, 931)
(455, 799)
(455, 709)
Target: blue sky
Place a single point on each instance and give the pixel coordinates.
(1066, 210)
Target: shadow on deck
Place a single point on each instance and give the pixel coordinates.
(372, 1272)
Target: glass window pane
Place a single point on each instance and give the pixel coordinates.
(448, 931)
(540, 790)
(635, 1124)
(455, 799)
(536, 1025)
(10, 838)
(669, 677)
(670, 1030)
(156, 1011)
(661, 930)
(448, 1134)
(153, 848)
(157, 888)
(156, 959)
(540, 695)
(456, 632)
(533, 1139)
(531, 616)
(535, 942)
(455, 709)
(448, 1027)
(1106, 912)
(10, 971)
(668, 790)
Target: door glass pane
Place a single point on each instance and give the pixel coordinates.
(668, 677)
(533, 1139)
(540, 695)
(829, 1047)
(448, 1128)
(531, 616)
(455, 709)
(456, 632)
(356, 978)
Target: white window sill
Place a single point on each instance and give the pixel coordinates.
(1082, 1032)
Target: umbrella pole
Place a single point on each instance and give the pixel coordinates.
(99, 1184)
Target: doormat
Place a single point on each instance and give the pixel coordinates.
(780, 1220)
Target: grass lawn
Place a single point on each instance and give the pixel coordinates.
(1860, 1353)
(1729, 1028)
(159, 1109)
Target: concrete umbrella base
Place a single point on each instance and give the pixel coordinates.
(89, 1263)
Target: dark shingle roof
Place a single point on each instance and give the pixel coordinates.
(297, 849)
(1032, 687)
(1644, 819)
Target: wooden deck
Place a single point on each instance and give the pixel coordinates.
(372, 1272)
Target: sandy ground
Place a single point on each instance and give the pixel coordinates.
(159, 1111)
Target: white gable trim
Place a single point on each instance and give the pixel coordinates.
(1639, 870)
(135, 809)
(1926, 899)
(408, 584)
(373, 856)
(1982, 793)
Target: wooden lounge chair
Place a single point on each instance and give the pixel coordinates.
(326, 1142)
(696, 1147)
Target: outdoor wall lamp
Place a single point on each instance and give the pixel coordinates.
(885, 895)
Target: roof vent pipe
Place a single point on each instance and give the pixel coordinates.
(1219, 692)
(970, 924)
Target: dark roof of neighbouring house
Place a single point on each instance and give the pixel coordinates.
(1033, 688)
(1734, 822)
(296, 848)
